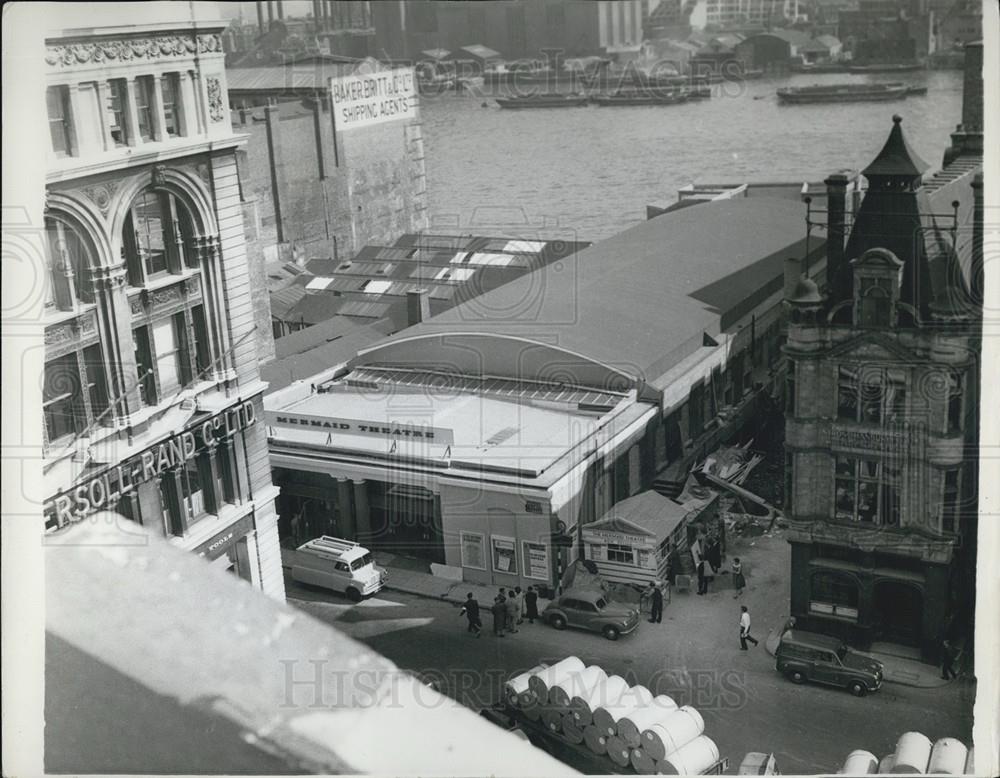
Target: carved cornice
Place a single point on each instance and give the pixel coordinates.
(216, 109)
(118, 50)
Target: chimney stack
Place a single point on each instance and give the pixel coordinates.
(793, 272)
(977, 239)
(418, 307)
(836, 196)
(260, 17)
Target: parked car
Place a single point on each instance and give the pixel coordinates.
(340, 565)
(808, 656)
(592, 610)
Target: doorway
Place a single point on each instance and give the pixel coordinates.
(898, 612)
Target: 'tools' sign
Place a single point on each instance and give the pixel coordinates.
(103, 490)
(365, 99)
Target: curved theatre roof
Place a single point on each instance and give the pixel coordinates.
(633, 305)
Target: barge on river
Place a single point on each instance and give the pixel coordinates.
(842, 93)
(637, 97)
(543, 101)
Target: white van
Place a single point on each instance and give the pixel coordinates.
(340, 565)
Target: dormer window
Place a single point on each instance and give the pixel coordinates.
(877, 278)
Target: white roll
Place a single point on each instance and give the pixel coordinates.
(541, 682)
(607, 715)
(518, 685)
(948, 757)
(576, 682)
(860, 762)
(886, 764)
(690, 759)
(631, 726)
(970, 761)
(676, 730)
(583, 705)
(913, 752)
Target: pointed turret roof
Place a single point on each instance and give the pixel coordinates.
(896, 157)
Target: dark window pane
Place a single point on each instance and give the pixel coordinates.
(57, 100)
(144, 366)
(144, 106)
(847, 395)
(117, 102)
(62, 397)
(171, 121)
(97, 385)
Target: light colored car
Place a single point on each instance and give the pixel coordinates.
(341, 565)
(591, 610)
(808, 656)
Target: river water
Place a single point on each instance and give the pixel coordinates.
(589, 172)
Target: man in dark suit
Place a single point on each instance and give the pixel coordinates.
(656, 616)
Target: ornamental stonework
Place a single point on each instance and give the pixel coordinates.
(60, 334)
(167, 296)
(116, 51)
(215, 109)
(101, 195)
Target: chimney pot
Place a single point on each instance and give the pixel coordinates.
(418, 306)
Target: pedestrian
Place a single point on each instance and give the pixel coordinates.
(519, 597)
(703, 576)
(531, 604)
(739, 580)
(499, 611)
(745, 628)
(656, 616)
(471, 612)
(513, 611)
(948, 661)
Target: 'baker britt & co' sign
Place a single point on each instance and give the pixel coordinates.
(385, 429)
(102, 491)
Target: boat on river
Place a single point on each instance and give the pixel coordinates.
(842, 93)
(639, 97)
(543, 101)
(886, 67)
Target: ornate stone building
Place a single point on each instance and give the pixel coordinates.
(152, 398)
(882, 422)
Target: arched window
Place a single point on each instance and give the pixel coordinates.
(833, 594)
(156, 238)
(70, 263)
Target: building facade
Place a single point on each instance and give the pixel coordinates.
(882, 420)
(152, 400)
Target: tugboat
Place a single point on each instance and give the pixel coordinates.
(842, 93)
(551, 100)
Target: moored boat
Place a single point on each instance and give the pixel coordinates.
(543, 101)
(885, 67)
(842, 93)
(640, 98)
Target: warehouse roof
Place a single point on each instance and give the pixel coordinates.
(640, 301)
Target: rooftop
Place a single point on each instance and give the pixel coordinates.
(649, 512)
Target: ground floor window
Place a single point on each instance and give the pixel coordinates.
(621, 553)
(832, 594)
(473, 550)
(504, 554)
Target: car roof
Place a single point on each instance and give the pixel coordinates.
(811, 639)
(587, 595)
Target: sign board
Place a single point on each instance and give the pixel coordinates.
(219, 544)
(366, 99)
(104, 490)
(536, 560)
(867, 439)
(394, 430)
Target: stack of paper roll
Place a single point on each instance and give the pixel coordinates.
(516, 690)
(582, 706)
(619, 751)
(690, 759)
(860, 762)
(552, 719)
(970, 761)
(642, 762)
(948, 757)
(541, 682)
(608, 713)
(886, 763)
(631, 725)
(913, 751)
(576, 682)
(674, 731)
(596, 740)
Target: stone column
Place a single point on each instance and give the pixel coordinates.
(362, 512)
(79, 138)
(114, 321)
(63, 287)
(159, 128)
(187, 123)
(346, 524)
(131, 115)
(208, 472)
(206, 251)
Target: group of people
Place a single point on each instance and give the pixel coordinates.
(510, 608)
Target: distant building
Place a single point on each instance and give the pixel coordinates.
(886, 31)
(777, 49)
(321, 191)
(883, 404)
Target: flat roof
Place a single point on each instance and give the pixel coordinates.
(641, 300)
(487, 433)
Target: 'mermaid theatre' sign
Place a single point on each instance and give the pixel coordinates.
(396, 430)
(365, 99)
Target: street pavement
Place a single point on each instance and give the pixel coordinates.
(693, 656)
